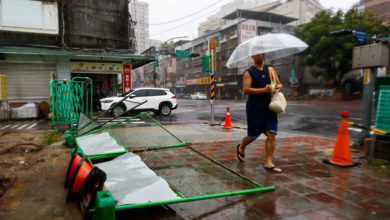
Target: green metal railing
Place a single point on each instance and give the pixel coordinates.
(68, 99)
(81, 97)
(59, 93)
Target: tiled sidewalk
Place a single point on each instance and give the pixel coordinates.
(307, 188)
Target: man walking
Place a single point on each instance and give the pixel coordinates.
(257, 85)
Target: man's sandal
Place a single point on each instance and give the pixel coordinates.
(273, 169)
(240, 155)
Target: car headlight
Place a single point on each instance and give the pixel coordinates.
(107, 101)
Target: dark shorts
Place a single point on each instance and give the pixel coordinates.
(260, 120)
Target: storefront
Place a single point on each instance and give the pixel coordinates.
(104, 76)
(29, 70)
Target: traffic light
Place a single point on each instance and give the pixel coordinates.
(194, 55)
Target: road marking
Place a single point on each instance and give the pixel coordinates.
(16, 125)
(355, 129)
(4, 127)
(357, 119)
(33, 125)
(184, 110)
(23, 125)
(138, 122)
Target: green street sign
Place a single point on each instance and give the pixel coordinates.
(155, 63)
(206, 63)
(183, 53)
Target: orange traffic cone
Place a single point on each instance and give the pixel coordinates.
(342, 153)
(228, 123)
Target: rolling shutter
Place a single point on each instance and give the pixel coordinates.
(27, 81)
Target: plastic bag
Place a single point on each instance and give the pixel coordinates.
(278, 103)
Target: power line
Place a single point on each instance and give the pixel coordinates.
(187, 16)
(181, 25)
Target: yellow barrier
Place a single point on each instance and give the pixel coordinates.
(3, 87)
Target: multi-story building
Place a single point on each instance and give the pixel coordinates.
(140, 13)
(215, 21)
(380, 7)
(302, 10)
(359, 6)
(42, 40)
(186, 75)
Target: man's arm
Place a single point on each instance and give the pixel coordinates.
(247, 82)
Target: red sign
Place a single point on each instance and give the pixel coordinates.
(248, 29)
(126, 78)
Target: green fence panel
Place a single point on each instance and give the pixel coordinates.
(82, 96)
(59, 93)
(382, 120)
(68, 99)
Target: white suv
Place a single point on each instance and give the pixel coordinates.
(160, 101)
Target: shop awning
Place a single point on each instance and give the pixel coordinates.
(136, 60)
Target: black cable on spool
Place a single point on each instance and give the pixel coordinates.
(93, 184)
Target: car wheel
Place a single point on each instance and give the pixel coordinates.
(118, 110)
(165, 110)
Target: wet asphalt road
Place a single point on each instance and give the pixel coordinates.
(319, 118)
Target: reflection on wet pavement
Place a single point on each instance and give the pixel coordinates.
(307, 188)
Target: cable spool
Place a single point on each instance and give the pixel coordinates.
(81, 174)
(73, 164)
(93, 184)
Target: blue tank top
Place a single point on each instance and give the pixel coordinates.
(259, 80)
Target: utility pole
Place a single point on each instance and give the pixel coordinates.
(370, 57)
(212, 51)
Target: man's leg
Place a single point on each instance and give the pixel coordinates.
(270, 143)
(244, 143)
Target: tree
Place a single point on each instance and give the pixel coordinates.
(332, 56)
(167, 48)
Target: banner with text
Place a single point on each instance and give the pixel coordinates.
(248, 29)
(126, 78)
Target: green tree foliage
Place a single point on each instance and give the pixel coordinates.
(331, 56)
(167, 48)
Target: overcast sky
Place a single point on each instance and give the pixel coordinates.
(176, 18)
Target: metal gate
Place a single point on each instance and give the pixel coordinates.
(68, 99)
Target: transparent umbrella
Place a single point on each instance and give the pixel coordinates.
(274, 46)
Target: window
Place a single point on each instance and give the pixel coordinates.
(140, 93)
(153, 92)
(29, 16)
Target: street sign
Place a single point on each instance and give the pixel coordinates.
(206, 63)
(155, 63)
(213, 53)
(360, 36)
(183, 53)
